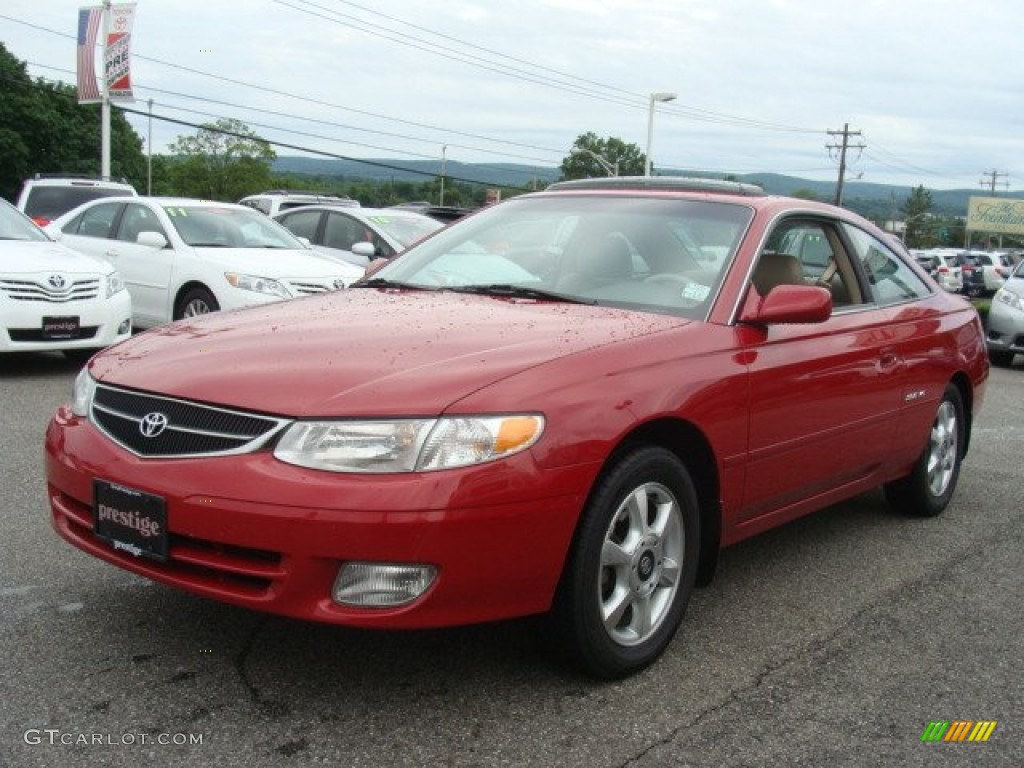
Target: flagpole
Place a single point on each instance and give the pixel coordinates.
(105, 100)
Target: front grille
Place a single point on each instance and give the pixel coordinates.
(30, 290)
(156, 426)
(36, 334)
(307, 288)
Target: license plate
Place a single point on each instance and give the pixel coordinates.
(61, 327)
(132, 521)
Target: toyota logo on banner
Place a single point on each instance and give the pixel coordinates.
(57, 282)
(152, 424)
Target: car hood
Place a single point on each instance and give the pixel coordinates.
(278, 263)
(27, 257)
(364, 351)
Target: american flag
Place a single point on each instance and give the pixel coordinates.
(88, 25)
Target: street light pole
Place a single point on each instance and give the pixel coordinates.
(444, 160)
(655, 97)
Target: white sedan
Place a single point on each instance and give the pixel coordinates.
(358, 235)
(52, 298)
(182, 257)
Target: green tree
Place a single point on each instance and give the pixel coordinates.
(917, 218)
(224, 161)
(43, 129)
(621, 158)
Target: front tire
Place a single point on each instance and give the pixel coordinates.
(195, 302)
(632, 567)
(927, 490)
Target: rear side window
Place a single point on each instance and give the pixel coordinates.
(302, 224)
(890, 281)
(50, 202)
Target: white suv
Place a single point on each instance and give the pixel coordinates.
(277, 200)
(44, 197)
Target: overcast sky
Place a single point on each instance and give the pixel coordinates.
(934, 87)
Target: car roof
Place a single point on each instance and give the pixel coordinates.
(662, 183)
(358, 213)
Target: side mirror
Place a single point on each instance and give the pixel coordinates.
(788, 304)
(364, 249)
(151, 240)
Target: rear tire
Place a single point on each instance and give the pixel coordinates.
(195, 302)
(632, 567)
(927, 490)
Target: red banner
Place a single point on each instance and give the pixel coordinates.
(117, 58)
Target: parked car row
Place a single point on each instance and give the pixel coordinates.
(146, 261)
(972, 272)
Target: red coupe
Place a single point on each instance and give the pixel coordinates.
(567, 403)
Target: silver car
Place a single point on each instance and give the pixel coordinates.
(1005, 327)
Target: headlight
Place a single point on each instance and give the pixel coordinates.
(1010, 299)
(114, 284)
(257, 284)
(407, 445)
(81, 394)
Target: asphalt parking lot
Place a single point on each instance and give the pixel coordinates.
(835, 641)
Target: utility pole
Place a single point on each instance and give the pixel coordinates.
(993, 176)
(846, 133)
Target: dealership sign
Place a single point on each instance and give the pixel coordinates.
(996, 214)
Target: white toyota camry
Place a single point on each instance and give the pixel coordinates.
(182, 257)
(54, 298)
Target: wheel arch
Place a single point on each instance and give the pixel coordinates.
(185, 288)
(961, 381)
(691, 446)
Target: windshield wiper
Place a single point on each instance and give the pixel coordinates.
(520, 292)
(383, 282)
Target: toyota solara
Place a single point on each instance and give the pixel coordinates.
(566, 404)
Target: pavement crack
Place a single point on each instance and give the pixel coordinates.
(264, 705)
(888, 597)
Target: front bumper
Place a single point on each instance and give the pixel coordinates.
(99, 320)
(1004, 329)
(252, 531)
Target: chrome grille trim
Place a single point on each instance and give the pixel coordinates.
(31, 290)
(193, 429)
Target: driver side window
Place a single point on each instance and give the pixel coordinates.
(812, 254)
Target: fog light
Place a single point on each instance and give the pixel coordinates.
(124, 327)
(381, 585)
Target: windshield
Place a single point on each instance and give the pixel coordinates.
(404, 228)
(16, 226)
(215, 227)
(661, 255)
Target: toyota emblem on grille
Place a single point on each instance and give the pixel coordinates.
(57, 282)
(152, 424)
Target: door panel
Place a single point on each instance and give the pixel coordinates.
(824, 406)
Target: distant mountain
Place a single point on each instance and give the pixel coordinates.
(874, 200)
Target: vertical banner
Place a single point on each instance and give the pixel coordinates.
(89, 20)
(117, 61)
